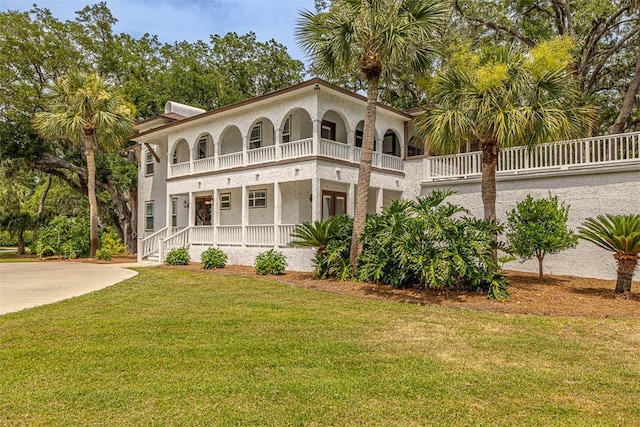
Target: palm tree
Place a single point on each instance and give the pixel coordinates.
(619, 234)
(382, 36)
(88, 111)
(503, 97)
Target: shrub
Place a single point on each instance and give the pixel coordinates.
(111, 242)
(433, 244)
(178, 256)
(103, 254)
(270, 262)
(213, 258)
(64, 236)
(332, 240)
(537, 227)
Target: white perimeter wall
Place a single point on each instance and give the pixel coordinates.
(588, 194)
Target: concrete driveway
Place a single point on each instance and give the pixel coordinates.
(29, 284)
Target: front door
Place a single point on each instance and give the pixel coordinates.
(333, 203)
(203, 210)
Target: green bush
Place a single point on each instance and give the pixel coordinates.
(110, 242)
(432, 244)
(178, 256)
(64, 236)
(103, 254)
(537, 227)
(270, 262)
(213, 258)
(332, 240)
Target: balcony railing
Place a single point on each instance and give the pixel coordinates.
(563, 155)
(289, 150)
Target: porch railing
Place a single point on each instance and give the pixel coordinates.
(260, 235)
(285, 231)
(603, 150)
(150, 243)
(230, 235)
(202, 234)
(289, 150)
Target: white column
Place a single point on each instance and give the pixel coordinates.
(379, 200)
(277, 213)
(139, 252)
(168, 214)
(316, 200)
(244, 214)
(192, 157)
(351, 142)
(316, 136)
(216, 155)
(169, 160)
(245, 148)
(191, 208)
(278, 137)
(351, 200)
(215, 212)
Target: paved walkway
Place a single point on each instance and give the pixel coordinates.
(30, 284)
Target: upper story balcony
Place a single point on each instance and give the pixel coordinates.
(582, 154)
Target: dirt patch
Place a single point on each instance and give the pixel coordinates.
(554, 296)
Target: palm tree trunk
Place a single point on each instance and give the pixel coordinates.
(488, 190)
(91, 190)
(626, 267)
(364, 173)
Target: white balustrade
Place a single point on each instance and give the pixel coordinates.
(150, 243)
(292, 150)
(204, 165)
(177, 240)
(285, 231)
(337, 150)
(260, 235)
(357, 154)
(261, 155)
(388, 161)
(202, 234)
(230, 160)
(179, 169)
(609, 149)
(229, 234)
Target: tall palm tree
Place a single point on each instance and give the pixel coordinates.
(382, 36)
(502, 97)
(619, 234)
(88, 111)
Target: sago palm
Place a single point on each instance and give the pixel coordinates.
(619, 234)
(86, 110)
(382, 37)
(502, 97)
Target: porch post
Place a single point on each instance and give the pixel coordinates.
(244, 214)
(351, 142)
(277, 214)
(191, 209)
(379, 200)
(316, 136)
(169, 160)
(161, 250)
(351, 200)
(245, 148)
(316, 200)
(278, 136)
(168, 214)
(192, 157)
(215, 213)
(216, 155)
(139, 253)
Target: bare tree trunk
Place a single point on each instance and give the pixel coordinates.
(626, 266)
(91, 190)
(540, 271)
(43, 198)
(628, 103)
(364, 173)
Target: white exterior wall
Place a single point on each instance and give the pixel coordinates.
(588, 194)
(152, 187)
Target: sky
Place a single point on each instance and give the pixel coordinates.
(190, 20)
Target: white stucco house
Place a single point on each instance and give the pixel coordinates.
(243, 176)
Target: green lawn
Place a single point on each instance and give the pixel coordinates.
(187, 348)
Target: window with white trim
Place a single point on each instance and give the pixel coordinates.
(328, 130)
(148, 163)
(148, 216)
(225, 200)
(255, 138)
(258, 199)
(203, 147)
(174, 212)
(286, 130)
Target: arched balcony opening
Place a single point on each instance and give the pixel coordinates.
(230, 140)
(333, 127)
(204, 147)
(261, 134)
(180, 152)
(359, 136)
(296, 126)
(391, 144)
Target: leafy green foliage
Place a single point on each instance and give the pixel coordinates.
(332, 240)
(67, 237)
(537, 227)
(111, 242)
(619, 234)
(213, 258)
(433, 244)
(178, 256)
(17, 224)
(270, 262)
(103, 254)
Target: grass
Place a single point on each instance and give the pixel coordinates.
(186, 348)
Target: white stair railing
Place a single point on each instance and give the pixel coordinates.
(150, 243)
